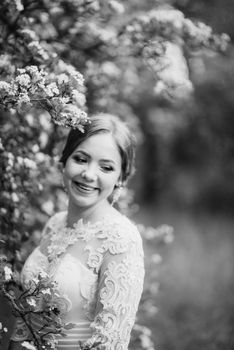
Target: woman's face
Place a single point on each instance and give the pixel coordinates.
(92, 171)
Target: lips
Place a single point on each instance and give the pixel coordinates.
(84, 188)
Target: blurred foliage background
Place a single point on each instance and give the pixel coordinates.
(189, 179)
(184, 172)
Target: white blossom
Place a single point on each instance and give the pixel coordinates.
(28, 33)
(156, 258)
(78, 98)
(160, 87)
(172, 72)
(176, 70)
(70, 71)
(40, 157)
(43, 274)
(10, 161)
(33, 71)
(30, 164)
(110, 69)
(10, 155)
(28, 345)
(168, 15)
(48, 207)
(71, 116)
(46, 291)
(21, 70)
(36, 48)
(35, 280)
(35, 148)
(52, 89)
(20, 160)
(30, 119)
(167, 232)
(116, 6)
(23, 80)
(8, 273)
(44, 120)
(4, 329)
(23, 101)
(4, 86)
(19, 5)
(14, 197)
(63, 78)
(64, 100)
(31, 301)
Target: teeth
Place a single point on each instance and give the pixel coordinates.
(84, 187)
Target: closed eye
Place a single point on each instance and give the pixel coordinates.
(107, 168)
(79, 159)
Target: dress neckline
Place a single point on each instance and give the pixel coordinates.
(89, 224)
(64, 236)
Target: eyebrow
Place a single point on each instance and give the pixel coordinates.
(88, 155)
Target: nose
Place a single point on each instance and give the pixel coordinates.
(89, 174)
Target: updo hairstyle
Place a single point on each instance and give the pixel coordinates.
(105, 123)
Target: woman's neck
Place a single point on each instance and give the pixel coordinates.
(91, 214)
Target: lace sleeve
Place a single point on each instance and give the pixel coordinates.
(119, 292)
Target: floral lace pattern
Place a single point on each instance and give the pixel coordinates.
(107, 286)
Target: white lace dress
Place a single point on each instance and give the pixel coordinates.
(99, 272)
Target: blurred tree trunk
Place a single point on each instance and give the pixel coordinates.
(149, 155)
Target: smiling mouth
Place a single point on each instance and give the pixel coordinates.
(83, 187)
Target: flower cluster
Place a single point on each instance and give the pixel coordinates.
(62, 95)
(159, 37)
(171, 24)
(39, 300)
(12, 194)
(172, 72)
(142, 338)
(163, 233)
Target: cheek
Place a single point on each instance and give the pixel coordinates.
(110, 181)
(71, 169)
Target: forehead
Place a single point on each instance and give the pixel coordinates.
(101, 146)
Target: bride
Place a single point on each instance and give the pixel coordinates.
(93, 252)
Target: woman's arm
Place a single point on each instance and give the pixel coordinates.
(119, 292)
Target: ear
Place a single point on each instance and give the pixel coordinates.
(120, 180)
(61, 167)
(119, 184)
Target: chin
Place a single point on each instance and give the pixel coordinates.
(84, 202)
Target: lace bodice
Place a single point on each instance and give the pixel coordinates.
(99, 271)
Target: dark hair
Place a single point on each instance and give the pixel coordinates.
(105, 123)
